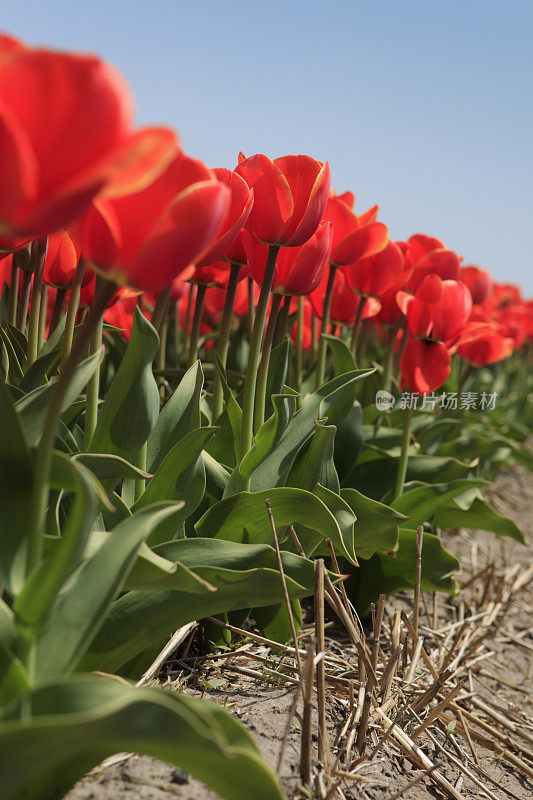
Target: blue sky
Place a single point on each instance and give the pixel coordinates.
(422, 106)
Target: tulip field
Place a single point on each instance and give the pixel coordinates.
(220, 392)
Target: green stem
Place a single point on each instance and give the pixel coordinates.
(389, 358)
(39, 249)
(188, 313)
(175, 315)
(43, 457)
(93, 387)
(262, 373)
(314, 330)
(24, 299)
(357, 324)
(196, 321)
(57, 311)
(223, 338)
(42, 317)
(251, 305)
(254, 355)
(160, 307)
(326, 310)
(404, 455)
(140, 462)
(13, 294)
(299, 344)
(72, 310)
(283, 325)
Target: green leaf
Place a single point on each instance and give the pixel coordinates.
(388, 574)
(274, 620)
(181, 476)
(74, 724)
(421, 502)
(34, 406)
(348, 442)
(314, 463)
(244, 575)
(83, 605)
(243, 517)
(342, 355)
(14, 369)
(377, 525)
(37, 375)
(479, 515)
(330, 403)
(277, 372)
(179, 416)
(269, 434)
(42, 587)
(106, 465)
(16, 478)
(129, 412)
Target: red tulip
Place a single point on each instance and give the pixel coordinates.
(216, 274)
(290, 195)
(353, 237)
(146, 239)
(488, 347)
(299, 270)
(424, 365)
(62, 119)
(344, 302)
(376, 275)
(439, 309)
(242, 199)
(61, 260)
(427, 255)
(479, 282)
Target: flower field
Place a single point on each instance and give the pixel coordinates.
(225, 395)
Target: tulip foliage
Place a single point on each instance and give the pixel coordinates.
(178, 346)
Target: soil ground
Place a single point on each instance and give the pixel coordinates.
(500, 688)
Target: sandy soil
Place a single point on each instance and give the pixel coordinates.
(264, 709)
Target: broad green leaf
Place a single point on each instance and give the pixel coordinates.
(106, 465)
(34, 406)
(37, 375)
(343, 544)
(314, 463)
(52, 343)
(180, 476)
(342, 355)
(274, 620)
(233, 411)
(129, 412)
(277, 372)
(377, 525)
(244, 517)
(269, 434)
(331, 402)
(81, 608)
(216, 477)
(244, 576)
(180, 415)
(14, 372)
(479, 515)
(387, 574)
(74, 724)
(421, 502)
(348, 442)
(14, 680)
(16, 478)
(40, 591)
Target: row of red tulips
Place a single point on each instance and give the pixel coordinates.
(141, 212)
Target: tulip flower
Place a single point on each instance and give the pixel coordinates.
(241, 202)
(344, 303)
(63, 118)
(426, 255)
(298, 270)
(147, 238)
(479, 282)
(290, 195)
(378, 274)
(354, 237)
(488, 347)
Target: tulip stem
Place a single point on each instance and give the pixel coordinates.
(160, 307)
(223, 338)
(72, 310)
(43, 311)
(326, 310)
(43, 457)
(389, 358)
(262, 373)
(357, 324)
(299, 345)
(39, 251)
(251, 304)
(93, 387)
(140, 462)
(188, 313)
(247, 429)
(13, 294)
(196, 321)
(283, 325)
(57, 311)
(24, 299)
(404, 455)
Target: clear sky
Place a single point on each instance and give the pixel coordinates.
(422, 106)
